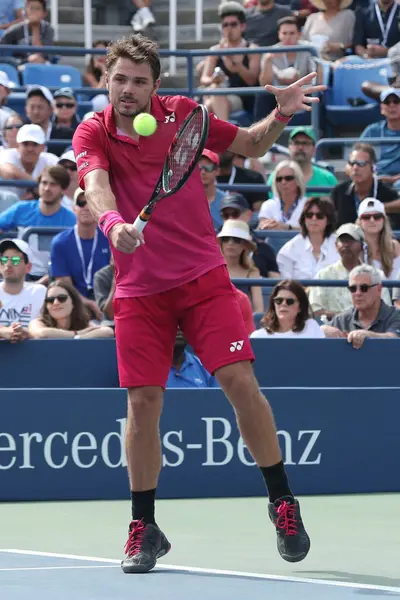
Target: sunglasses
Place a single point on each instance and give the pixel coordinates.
(61, 298)
(374, 217)
(208, 168)
(285, 178)
(288, 301)
(9, 127)
(230, 214)
(317, 215)
(302, 143)
(359, 163)
(364, 287)
(392, 100)
(81, 203)
(15, 260)
(65, 105)
(230, 24)
(235, 240)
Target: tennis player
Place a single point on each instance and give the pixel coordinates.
(176, 277)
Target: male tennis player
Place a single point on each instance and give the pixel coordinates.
(176, 277)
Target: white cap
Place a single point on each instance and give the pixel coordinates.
(4, 81)
(238, 229)
(371, 205)
(31, 133)
(68, 155)
(21, 245)
(46, 93)
(100, 102)
(78, 192)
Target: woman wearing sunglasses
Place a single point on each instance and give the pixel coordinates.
(65, 316)
(237, 247)
(315, 247)
(288, 314)
(288, 189)
(381, 250)
(10, 129)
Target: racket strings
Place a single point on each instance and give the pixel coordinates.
(184, 150)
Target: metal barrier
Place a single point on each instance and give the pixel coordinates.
(349, 142)
(266, 282)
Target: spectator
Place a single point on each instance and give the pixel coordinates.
(331, 29)
(5, 86)
(302, 150)
(45, 212)
(67, 160)
(19, 301)
(388, 164)
(235, 206)
(229, 174)
(369, 317)
(209, 165)
(363, 183)
(254, 164)
(28, 160)
(376, 29)
(34, 31)
(236, 246)
(381, 250)
(302, 9)
(288, 314)
(262, 22)
(65, 316)
(373, 89)
(95, 74)
(76, 254)
(11, 13)
(315, 247)
(12, 125)
(39, 108)
(187, 371)
(65, 117)
(246, 309)
(327, 302)
(143, 17)
(104, 289)
(288, 188)
(233, 71)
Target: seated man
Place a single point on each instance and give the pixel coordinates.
(388, 164)
(39, 108)
(187, 371)
(67, 160)
(262, 21)
(326, 302)
(104, 286)
(65, 118)
(11, 13)
(209, 166)
(369, 316)
(5, 87)
(20, 302)
(376, 29)
(76, 254)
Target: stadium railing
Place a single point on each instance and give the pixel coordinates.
(329, 142)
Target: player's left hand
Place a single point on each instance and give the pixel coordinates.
(296, 97)
(357, 338)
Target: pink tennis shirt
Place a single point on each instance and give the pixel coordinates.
(180, 239)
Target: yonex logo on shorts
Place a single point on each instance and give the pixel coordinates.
(236, 346)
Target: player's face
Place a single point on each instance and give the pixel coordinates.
(13, 273)
(131, 87)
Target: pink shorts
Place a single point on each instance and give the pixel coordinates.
(205, 309)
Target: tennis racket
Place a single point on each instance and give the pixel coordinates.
(184, 152)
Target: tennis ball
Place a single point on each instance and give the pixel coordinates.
(144, 124)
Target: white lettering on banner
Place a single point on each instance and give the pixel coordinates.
(121, 441)
(48, 445)
(173, 448)
(76, 449)
(11, 448)
(26, 447)
(314, 435)
(210, 441)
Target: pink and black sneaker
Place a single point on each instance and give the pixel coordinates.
(146, 543)
(292, 539)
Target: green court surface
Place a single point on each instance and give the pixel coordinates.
(353, 538)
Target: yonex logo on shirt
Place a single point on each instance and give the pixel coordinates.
(236, 346)
(170, 118)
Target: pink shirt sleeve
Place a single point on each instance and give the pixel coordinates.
(90, 148)
(220, 135)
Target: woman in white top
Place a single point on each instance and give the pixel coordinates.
(315, 247)
(288, 189)
(331, 29)
(288, 314)
(381, 250)
(11, 127)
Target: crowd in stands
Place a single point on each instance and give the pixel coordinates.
(61, 284)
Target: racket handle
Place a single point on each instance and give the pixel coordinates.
(139, 224)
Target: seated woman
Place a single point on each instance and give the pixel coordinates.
(315, 247)
(381, 250)
(11, 127)
(64, 316)
(95, 74)
(331, 29)
(288, 314)
(237, 246)
(288, 190)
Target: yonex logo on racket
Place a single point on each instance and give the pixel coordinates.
(236, 346)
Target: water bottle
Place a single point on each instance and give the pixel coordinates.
(223, 80)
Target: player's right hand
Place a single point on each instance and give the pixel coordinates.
(124, 237)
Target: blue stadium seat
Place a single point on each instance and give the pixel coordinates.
(276, 239)
(241, 118)
(257, 316)
(12, 73)
(51, 76)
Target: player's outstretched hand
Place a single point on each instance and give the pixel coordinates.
(124, 237)
(297, 96)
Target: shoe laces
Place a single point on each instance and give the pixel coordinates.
(135, 538)
(287, 518)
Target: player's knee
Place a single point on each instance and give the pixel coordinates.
(237, 379)
(144, 401)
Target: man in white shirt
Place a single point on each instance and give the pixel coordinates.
(39, 108)
(28, 160)
(20, 302)
(5, 86)
(67, 160)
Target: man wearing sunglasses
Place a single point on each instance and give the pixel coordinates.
(20, 302)
(65, 118)
(209, 169)
(68, 161)
(363, 183)
(370, 317)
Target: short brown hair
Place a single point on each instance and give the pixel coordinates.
(326, 207)
(138, 49)
(367, 148)
(59, 174)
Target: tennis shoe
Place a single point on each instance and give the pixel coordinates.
(292, 539)
(146, 543)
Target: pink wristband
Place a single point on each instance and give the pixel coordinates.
(280, 117)
(108, 219)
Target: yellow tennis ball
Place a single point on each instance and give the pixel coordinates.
(144, 124)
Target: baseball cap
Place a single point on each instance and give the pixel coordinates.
(234, 200)
(352, 230)
(212, 156)
(389, 92)
(31, 133)
(78, 192)
(44, 91)
(4, 81)
(64, 92)
(68, 155)
(371, 205)
(308, 131)
(20, 245)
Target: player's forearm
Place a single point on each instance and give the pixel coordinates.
(256, 140)
(98, 194)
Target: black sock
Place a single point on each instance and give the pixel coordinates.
(143, 505)
(276, 481)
